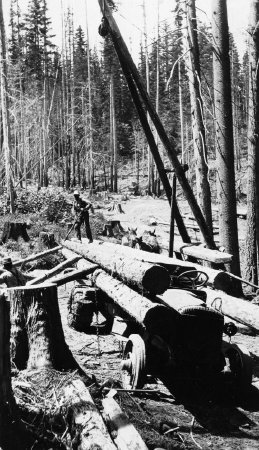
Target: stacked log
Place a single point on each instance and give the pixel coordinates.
(235, 308)
(138, 274)
(149, 316)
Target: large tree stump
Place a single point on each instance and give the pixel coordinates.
(40, 317)
(14, 230)
(7, 404)
(46, 240)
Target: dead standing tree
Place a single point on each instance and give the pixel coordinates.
(224, 134)
(198, 128)
(5, 112)
(252, 232)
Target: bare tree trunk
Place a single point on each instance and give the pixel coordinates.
(224, 134)
(199, 134)
(252, 232)
(90, 108)
(150, 156)
(5, 112)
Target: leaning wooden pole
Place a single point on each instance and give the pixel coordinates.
(179, 171)
(152, 143)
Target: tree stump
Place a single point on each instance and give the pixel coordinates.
(14, 230)
(83, 302)
(39, 316)
(46, 240)
(116, 208)
(7, 404)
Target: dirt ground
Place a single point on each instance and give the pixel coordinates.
(163, 421)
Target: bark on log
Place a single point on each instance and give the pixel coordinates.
(14, 230)
(155, 318)
(140, 275)
(240, 310)
(127, 438)
(88, 428)
(54, 271)
(35, 311)
(7, 404)
(37, 256)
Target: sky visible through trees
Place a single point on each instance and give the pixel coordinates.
(130, 21)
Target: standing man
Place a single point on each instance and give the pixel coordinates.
(11, 276)
(81, 213)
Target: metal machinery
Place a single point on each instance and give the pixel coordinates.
(187, 342)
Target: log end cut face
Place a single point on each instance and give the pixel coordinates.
(156, 280)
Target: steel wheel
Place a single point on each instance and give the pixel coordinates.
(241, 365)
(133, 365)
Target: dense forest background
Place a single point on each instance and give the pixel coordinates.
(71, 114)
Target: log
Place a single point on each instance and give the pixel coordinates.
(74, 275)
(140, 275)
(199, 252)
(35, 310)
(7, 404)
(127, 437)
(54, 271)
(88, 428)
(150, 316)
(37, 256)
(218, 279)
(240, 310)
(14, 230)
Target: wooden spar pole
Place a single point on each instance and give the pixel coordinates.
(179, 171)
(173, 203)
(152, 144)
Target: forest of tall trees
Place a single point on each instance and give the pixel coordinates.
(61, 110)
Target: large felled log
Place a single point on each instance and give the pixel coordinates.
(7, 405)
(88, 427)
(35, 312)
(54, 271)
(14, 230)
(127, 437)
(155, 318)
(37, 256)
(138, 274)
(240, 310)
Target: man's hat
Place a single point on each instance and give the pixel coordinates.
(7, 261)
(76, 193)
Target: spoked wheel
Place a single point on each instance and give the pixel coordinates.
(241, 365)
(133, 365)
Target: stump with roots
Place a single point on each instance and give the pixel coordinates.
(83, 302)
(37, 338)
(7, 404)
(116, 208)
(14, 230)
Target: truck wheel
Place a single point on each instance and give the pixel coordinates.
(133, 365)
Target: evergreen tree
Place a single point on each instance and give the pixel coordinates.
(38, 40)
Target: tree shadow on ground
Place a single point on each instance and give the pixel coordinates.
(220, 410)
